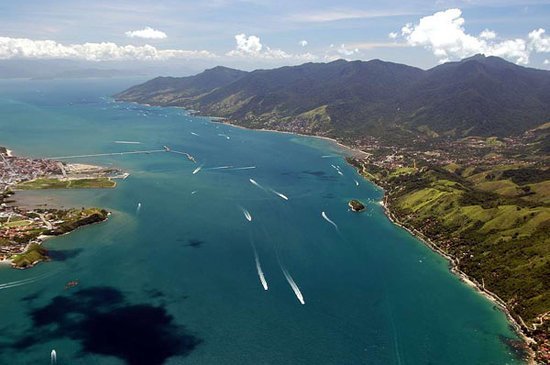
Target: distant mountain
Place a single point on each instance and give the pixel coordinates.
(180, 90)
(480, 95)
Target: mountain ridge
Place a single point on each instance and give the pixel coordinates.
(479, 95)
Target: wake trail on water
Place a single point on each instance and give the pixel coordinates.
(325, 217)
(193, 133)
(254, 182)
(243, 168)
(293, 285)
(279, 194)
(247, 214)
(261, 275)
(196, 171)
(14, 284)
(219, 168)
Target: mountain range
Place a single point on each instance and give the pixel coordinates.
(478, 96)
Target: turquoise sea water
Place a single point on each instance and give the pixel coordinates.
(176, 281)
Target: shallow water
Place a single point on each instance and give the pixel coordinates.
(178, 280)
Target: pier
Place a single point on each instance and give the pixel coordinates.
(164, 149)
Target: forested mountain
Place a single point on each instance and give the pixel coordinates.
(485, 96)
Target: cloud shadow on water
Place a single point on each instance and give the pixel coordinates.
(106, 324)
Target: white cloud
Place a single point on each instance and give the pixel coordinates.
(546, 62)
(335, 53)
(487, 34)
(105, 51)
(393, 35)
(345, 51)
(146, 33)
(251, 46)
(303, 43)
(443, 33)
(538, 41)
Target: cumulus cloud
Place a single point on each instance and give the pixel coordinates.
(106, 51)
(146, 33)
(303, 43)
(251, 46)
(487, 34)
(538, 41)
(547, 62)
(339, 52)
(444, 34)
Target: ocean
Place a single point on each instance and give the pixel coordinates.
(232, 263)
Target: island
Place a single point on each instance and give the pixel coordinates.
(356, 205)
(22, 230)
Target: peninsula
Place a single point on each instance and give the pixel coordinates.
(462, 151)
(22, 230)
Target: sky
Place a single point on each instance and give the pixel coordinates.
(251, 34)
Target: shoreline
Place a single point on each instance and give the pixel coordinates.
(39, 240)
(453, 267)
(466, 279)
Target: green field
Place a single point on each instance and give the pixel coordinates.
(96, 183)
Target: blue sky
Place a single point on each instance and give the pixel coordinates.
(259, 33)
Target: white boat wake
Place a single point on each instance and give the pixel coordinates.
(13, 284)
(219, 168)
(255, 183)
(244, 168)
(247, 215)
(356, 183)
(196, 171)
(193, 133)
(138, 208)
(279, 194)
(259, 269)
(53, 357)
(193, 192)
(324, 215)
(293, 285)
(224, 135)
(127, 142)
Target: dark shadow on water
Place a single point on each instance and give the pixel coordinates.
(63, 255)
(31, 297)
(104, 323)
(195, 243)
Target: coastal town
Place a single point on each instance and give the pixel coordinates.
(23, 229)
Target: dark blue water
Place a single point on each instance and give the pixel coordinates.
(177, 281)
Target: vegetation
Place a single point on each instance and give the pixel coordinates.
(479, 96)
(34, 254)
(498, 233)
(356, 205)
(50, 183)
(74, 218)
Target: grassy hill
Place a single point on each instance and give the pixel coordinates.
(494, 221)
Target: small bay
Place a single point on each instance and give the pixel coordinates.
(175, 275)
